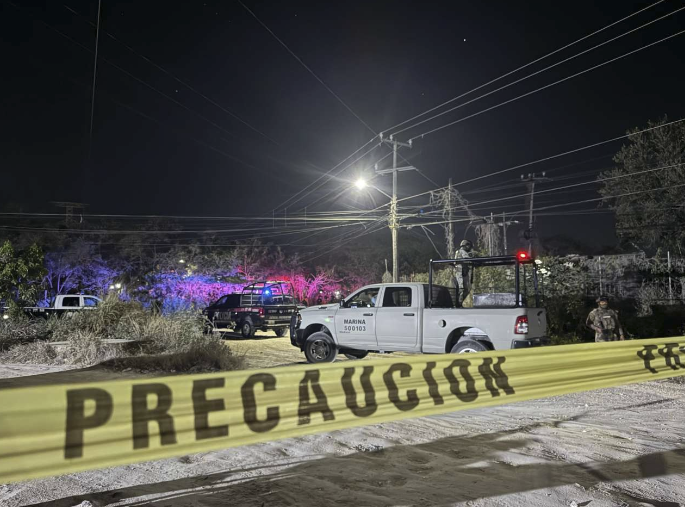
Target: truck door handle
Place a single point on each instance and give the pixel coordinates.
(408, 314)
(368, 315)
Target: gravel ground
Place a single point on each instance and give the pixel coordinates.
(623, 446)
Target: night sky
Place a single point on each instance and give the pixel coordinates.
(388, 61)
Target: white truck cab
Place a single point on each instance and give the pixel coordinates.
(425, 318)
(64, 304)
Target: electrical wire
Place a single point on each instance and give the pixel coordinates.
(525, 66)
(585, 71)
(551, 157)
(177, 79)
(306, 67)
(539, 71)
(138, 80)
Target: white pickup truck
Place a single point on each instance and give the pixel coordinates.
(64, 305)
(427, 318)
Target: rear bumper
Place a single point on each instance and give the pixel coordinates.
(275, 324)
(523, 343)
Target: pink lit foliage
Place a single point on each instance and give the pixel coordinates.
(177, 292)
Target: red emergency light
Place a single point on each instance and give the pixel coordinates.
(522, 256)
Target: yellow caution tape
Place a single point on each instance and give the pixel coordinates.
(53, 430)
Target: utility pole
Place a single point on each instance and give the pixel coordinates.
(504, 225)
(530, 184)
(670, 285)
(450, 230)
(69, 208)
(447, 200)
(392, 219)
(491, 228)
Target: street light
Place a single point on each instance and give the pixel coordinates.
(360, 184)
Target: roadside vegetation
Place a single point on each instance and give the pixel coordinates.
(118, 334)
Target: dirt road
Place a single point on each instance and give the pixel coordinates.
(266, 350)
(612, 447)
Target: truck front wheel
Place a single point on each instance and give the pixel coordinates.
(320, 348)
(247, 328)
(468, 347)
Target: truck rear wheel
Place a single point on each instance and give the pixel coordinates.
(280, 332)
(320, 348)
(468, 347)
(247, 328)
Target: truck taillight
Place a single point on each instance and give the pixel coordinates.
(521, 326)
(261, 312)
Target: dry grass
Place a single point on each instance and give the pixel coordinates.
(164, 343)
(37, 352)
(18, 331)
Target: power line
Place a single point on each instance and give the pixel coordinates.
(551, 157)
(550, 85)
(140, 81)
(539, 71)
(289, 200)
(525, 66)
(607, 197)
(573, 185)
(306, 67)
(492, 81)
(177, 79)
(95, 69)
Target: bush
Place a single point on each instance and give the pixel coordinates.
(38, 352)
(17, 331)
(174, 342)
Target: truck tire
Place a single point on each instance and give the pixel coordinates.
(247, 328)
(468, 347)
(280, 332)
(356, 355)
(320, 348)
(293, 329)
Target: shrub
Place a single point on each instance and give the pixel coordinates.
(38, 352)
(16, 331)
(174, 342)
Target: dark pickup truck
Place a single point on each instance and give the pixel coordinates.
(261, 305)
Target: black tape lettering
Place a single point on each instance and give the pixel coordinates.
(672, 357)
(202, 407)
(432, 384)
(141, 415)
(471, 394)
(78, 422)
(489, 372)
(647, 356)
(250, 403)
(306, 407)
(393, 393)
(370, 406)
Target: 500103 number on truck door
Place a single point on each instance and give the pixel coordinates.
(354, 325)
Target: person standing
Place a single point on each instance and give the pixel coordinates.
(604, 322)
(463, 271)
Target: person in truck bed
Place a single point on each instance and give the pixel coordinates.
(463, 272)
